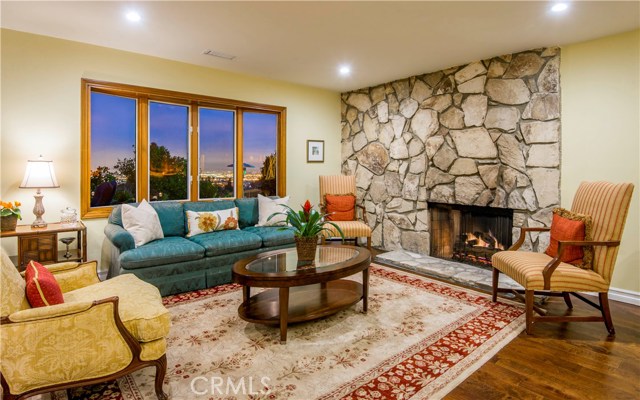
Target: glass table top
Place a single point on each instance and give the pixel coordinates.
(326, 256)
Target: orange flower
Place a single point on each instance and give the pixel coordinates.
(207, 222)
(18, 204)
(230, 223)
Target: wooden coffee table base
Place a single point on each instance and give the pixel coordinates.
(282, 306)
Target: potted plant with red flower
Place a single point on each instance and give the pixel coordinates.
(307, 226)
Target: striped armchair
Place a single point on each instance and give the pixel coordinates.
(338, 185)
(607, 204)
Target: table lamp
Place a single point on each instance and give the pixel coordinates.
(39, 175)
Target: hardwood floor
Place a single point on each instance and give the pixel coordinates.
(564, 360)
(575, 360)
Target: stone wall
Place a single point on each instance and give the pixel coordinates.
(486, 133)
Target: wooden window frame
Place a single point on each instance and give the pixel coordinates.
(143, 95)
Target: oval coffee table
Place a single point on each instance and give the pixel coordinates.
(303, 293)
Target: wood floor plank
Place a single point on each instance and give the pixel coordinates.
(564, 360)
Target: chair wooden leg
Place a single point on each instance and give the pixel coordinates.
(323, 240)
(161, 370)
(567, 299)
(528, 301)
(495, 277)
(606, 313)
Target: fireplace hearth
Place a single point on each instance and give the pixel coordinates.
(469, 234)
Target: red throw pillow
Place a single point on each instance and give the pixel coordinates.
(340, 207)
(567, 225)
(42, 287)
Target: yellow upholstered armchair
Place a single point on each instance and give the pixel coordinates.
(343, 185)
(102, 331)
(607, 204)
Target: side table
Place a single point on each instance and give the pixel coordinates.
(41, 244)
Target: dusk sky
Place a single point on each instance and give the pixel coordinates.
(113, 130)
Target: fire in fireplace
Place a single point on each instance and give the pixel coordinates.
(469, 234)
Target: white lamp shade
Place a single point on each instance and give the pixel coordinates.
(39, 174)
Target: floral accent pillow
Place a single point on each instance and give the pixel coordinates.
(210, 221)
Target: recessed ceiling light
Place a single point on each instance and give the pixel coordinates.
(344, 70)
(559, 7)
(133, 16)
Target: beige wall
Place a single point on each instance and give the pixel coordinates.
(601, 130)
(40, 112)
(41, 115)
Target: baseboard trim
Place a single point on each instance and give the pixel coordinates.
(624, 296)
(621, 295)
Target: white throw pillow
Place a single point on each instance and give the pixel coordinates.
(267, 206)
(209, 221)
(142, 223)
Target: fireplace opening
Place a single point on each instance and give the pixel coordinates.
(469, 234)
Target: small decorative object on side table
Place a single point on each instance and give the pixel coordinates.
(307, 226)
(67, 241)
(9, 215)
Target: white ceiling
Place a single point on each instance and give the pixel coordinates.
(305, 42)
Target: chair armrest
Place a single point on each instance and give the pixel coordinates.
(364, 213)
(43, 313)
(562, 244)
(523, 232)
(87, 338)
(75, 275)
(72, 275)
(119, 237)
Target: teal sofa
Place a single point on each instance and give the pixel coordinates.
(177, 264)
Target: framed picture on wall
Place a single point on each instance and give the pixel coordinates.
(315, 151)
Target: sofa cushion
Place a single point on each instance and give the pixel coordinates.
(248, 211)
(272, 235)
(171, 214)
(142, 223)
(159, 252)
(140, 305)
(225, 242)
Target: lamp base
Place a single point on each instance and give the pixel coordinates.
(39, 223)
(38, 210)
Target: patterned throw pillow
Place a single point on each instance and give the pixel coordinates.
(567, 225)
(42, 288)
(209, 221)
(340, 207)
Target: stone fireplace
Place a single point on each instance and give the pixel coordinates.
(482, 134)
(469, 234)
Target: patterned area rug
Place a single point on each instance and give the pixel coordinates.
(419, 339)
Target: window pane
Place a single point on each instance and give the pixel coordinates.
(168, 151)
(113, 149)
(216, 169)
(260, 134)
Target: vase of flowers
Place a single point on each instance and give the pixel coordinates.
(307, 226)
(9, 215)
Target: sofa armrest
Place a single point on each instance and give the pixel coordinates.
(119, 237)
